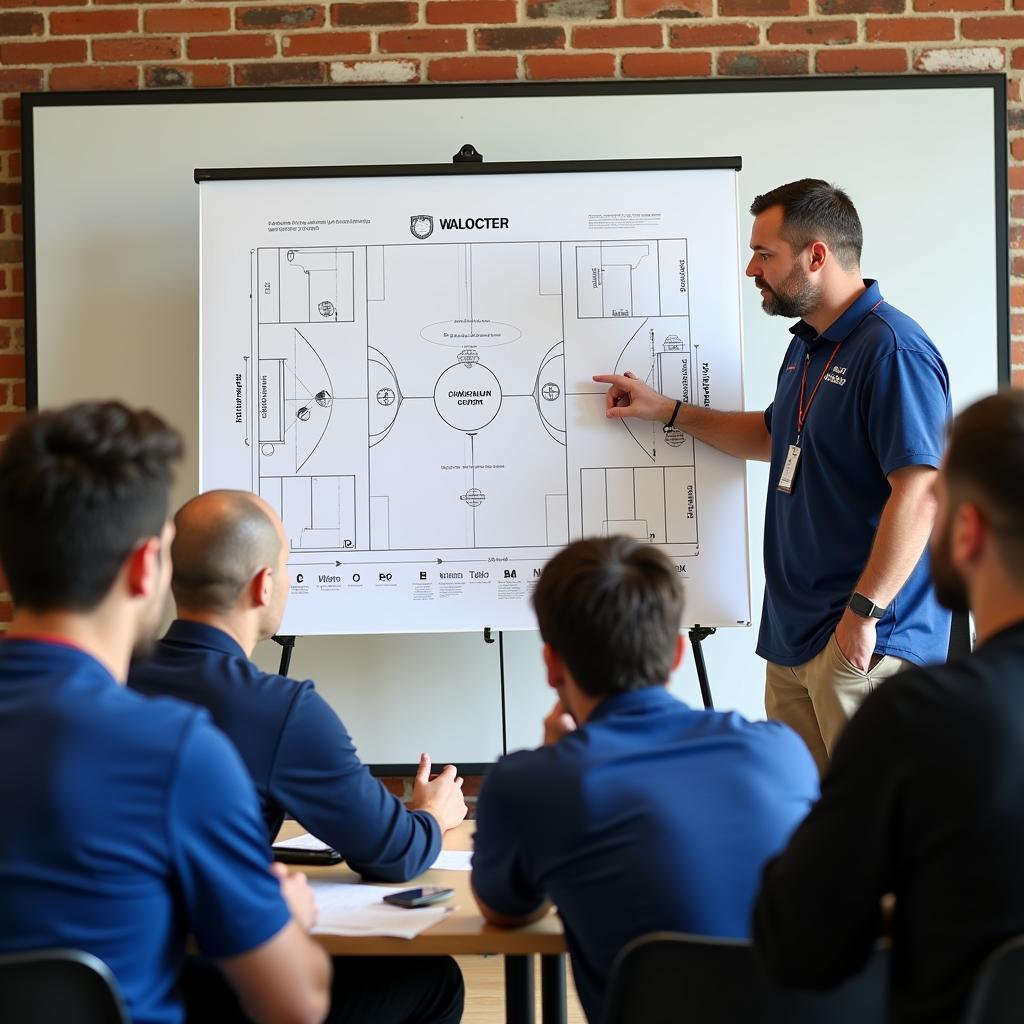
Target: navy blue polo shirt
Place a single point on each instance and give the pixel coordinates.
(126, 824)
(883, 403)
(298, 753)
(649, 817)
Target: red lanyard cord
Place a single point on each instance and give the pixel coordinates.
(803, 410)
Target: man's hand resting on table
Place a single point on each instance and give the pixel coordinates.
(297, 894)
(441, 797)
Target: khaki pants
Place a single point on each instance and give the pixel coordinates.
(817, 699)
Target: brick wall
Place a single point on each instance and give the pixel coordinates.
(168, 44)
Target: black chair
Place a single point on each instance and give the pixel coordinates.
(997, 995)
(668, 978)
(58, 986)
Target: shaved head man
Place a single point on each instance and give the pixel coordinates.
(230, 585)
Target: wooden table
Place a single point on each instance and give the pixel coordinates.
(464, 931)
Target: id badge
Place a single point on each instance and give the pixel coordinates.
(789, 469)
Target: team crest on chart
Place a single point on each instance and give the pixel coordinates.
(422, 225)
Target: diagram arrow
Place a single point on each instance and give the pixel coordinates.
(394, 561)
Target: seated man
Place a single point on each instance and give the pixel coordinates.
(638, 814)
(230, 584)
(925, 793)
(128, 824)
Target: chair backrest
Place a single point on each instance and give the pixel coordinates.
(997, 995)
(58, 986)
(691, 979)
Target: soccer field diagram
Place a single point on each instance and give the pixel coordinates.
(430, 396)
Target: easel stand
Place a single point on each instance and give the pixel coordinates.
(698, 634)
(287, 646)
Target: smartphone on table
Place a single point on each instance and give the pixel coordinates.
(421, 897)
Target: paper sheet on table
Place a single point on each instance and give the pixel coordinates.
(348, 908)
(303, 842)
(453, 860)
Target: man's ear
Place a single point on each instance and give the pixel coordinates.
(680, 651)
(555, 667)
(142, 567)
(261, 587)
(970, 533)
(818, 253)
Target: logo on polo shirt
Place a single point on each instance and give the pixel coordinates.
(836, 375)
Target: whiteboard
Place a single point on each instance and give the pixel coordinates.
(112, 283)
(413, 392)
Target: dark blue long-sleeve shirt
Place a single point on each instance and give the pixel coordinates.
(299, 754)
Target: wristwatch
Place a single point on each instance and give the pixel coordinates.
(866, 607)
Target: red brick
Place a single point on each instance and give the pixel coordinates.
(188, 20)
(280, 16)
(519, 39)
(281, 73)
(765, 62)
(809, 31)
(1017, 149)
(1016, 297)
(761, 8)
(44, 3)
(1016, 178)
(95, 77)
(113, 3)
(22, 23)
(325, 44)
(10, 195)
(579, 10)
(1017, 207)
(10, 250)
(1017, 326)
(365, 72)
(10, 137)
(393, 784)
(12, 307)
(139, 48)
(667, 8)
(11, 108)
(198, 76)
(861, 6)
(1018, 62)
(1016, 269)
(471, 12)
(56, 51)
(229, 47)
(18, 281)
(612, 37)
(1008, 27)
(1015, 120)
(1016, 236)
(3, 279)
(12, 365)
(5, 337)
(423, 40)
(830, 62)
(666, 65)
(384, 13)
(8, 421)
(472, 69)
(905, 30)
(16, 219)
(735, 33)
(20, 80)
(565, 66)
(18, 394)
(93, 23)
(927, 6)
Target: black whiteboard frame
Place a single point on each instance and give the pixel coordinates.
(333, 94)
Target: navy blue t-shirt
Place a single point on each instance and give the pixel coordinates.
(650, 817)
(125, 825)
(299, 754)
(883, 404)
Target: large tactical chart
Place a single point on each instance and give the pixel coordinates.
(412, 392)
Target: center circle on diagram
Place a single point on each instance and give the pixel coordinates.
(467, 396)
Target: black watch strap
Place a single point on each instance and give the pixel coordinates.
(671, 423)
(866, 607)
